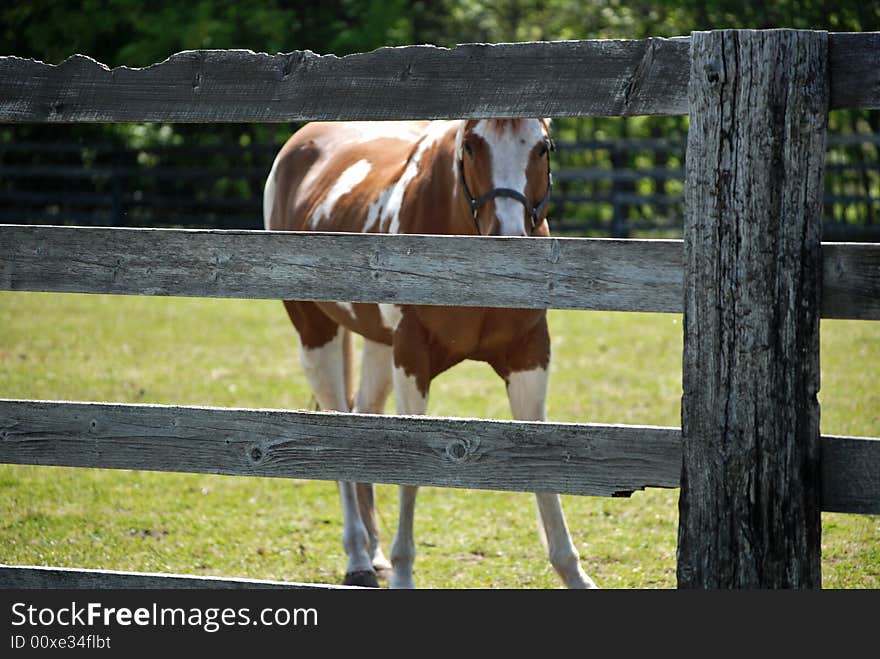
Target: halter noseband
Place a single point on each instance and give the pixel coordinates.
(533, 211)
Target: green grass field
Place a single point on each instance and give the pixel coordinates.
(608, 368)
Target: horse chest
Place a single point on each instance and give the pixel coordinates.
(477, 333)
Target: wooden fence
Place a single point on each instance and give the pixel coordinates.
(751, 278)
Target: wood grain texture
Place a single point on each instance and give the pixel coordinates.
(559, 273)
(854, 69)
(565, 273)
(851, 474)
(38, 577)
(497, 455)
(563, 78)
(750, 499)
(851, 281)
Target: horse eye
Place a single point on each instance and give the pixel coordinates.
(545, 147)
(469, 149)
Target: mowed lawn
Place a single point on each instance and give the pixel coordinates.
(608, 367)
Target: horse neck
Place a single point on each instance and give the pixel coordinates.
(440, 195)
(461, 216)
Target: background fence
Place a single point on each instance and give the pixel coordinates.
(617, 187)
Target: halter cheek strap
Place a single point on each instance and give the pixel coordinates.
(533, 211)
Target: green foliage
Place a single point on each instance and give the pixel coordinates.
(131, 33)
(535, 20)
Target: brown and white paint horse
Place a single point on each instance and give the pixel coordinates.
(490, 177)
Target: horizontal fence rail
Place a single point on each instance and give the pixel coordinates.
(463, 271)
(569, 458)
(851, 281)
(851, 474)
(600, 460)
(558, 273)
(33, 576)
(562, 78)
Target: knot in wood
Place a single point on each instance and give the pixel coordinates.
(555, 252)
(406, 74)
(685, 573)
(459, 450)
(712, 69)
(286, 67)
(255, 454)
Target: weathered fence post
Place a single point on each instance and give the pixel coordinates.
(750, 496)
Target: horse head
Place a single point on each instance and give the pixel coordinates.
(503, 172)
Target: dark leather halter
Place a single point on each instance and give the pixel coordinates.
(533, 211)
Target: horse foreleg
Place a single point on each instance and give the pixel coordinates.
(527, 391)
(367, 504)
(355, 539)
(411, 378)
(375, 385)
(563, 554)
(403, 549)
(324, 367)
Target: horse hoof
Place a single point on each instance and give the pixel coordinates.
(383, 572)
(365, 578)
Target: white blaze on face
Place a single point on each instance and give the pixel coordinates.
(346, 182)
(510, 151)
